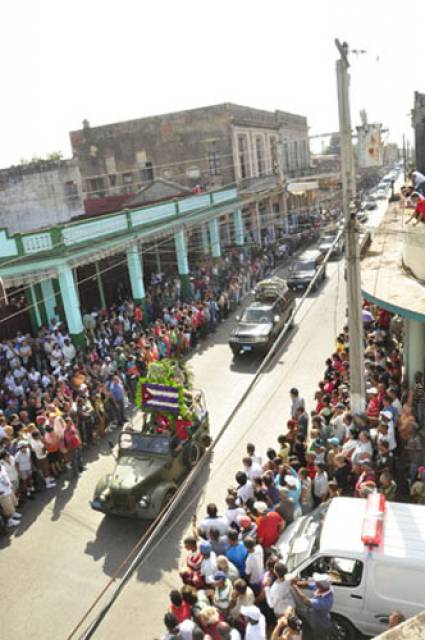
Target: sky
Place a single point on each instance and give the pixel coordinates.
(111, 61)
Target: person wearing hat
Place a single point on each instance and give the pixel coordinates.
(373, 404)
(256, 623)
(208, 567)
(222, 591)
(319, 605)
(247, 528)
(269, 525)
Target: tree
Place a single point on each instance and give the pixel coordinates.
(334, 147)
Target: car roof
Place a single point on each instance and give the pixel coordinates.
(306, 256)
(261, 305)
(404, 530)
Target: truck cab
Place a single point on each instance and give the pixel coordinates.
(371, 576)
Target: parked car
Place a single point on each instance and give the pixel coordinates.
(260, 324)
(304, 269)
(326, 242)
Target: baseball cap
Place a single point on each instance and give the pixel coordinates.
(322, 578)
(205, 547)
(261, 507)
(333, 441)
(252, 612)
(290, 481)
(386, 414)
(219, 575)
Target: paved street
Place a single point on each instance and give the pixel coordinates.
(64, 552)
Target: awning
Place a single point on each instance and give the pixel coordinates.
(297, 188)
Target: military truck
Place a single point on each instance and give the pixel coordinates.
(151, 462)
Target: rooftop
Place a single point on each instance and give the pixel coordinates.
(385, 279)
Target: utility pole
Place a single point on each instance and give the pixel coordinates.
(352, 253)
(404, 158)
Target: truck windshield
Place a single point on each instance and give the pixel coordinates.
(257, 315)
(307, 539)
(148, 444)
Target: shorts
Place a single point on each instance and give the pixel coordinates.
(25, 475)
(53, 456)
(8, 504)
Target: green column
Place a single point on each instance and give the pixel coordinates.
(182, 263)
(135, 271)
(100, 285)
(215, 238)
(49, 299)
(205, 240)
(34, 311)
(238, 227)
(71, 304)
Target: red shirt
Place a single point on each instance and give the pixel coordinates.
(268, 528)
(184, 612)
(420, 209)
(374, 407)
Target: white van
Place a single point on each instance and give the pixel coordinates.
(369, 582)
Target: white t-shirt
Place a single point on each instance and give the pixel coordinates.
(39, 449)
(279, 596)
(23, 460)
(254, 565)
(245, 492)
(233, 514)
(209, 568)
(219, 523)
(254, 471)
(256, 631)
(185, 631)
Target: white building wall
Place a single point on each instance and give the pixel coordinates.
(31, 198)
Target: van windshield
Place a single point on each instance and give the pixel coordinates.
(307, 539)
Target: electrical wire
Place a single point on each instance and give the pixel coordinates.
(138, 561)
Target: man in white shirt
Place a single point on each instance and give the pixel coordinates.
(68, 350)
(245, 489)
(254, 564)
(180, 631)
(213, 521)
(209, 562)
(387, 419)
(256, 623)
(279, 595)
(252, 469)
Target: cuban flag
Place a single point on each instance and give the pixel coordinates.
(160, 397)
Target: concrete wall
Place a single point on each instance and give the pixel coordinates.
(414, 249)
(39, 194)
(189, 147)
(114, 158)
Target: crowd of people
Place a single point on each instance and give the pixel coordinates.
(234, 583)
(56, 400)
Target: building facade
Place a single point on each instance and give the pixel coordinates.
(39, 194)
(209, 147)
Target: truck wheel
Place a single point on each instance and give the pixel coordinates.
(191, 455)
(342, 629)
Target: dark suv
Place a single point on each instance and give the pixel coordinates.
(260, 324)
(305, 267)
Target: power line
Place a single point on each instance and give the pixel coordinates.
(145, 540)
